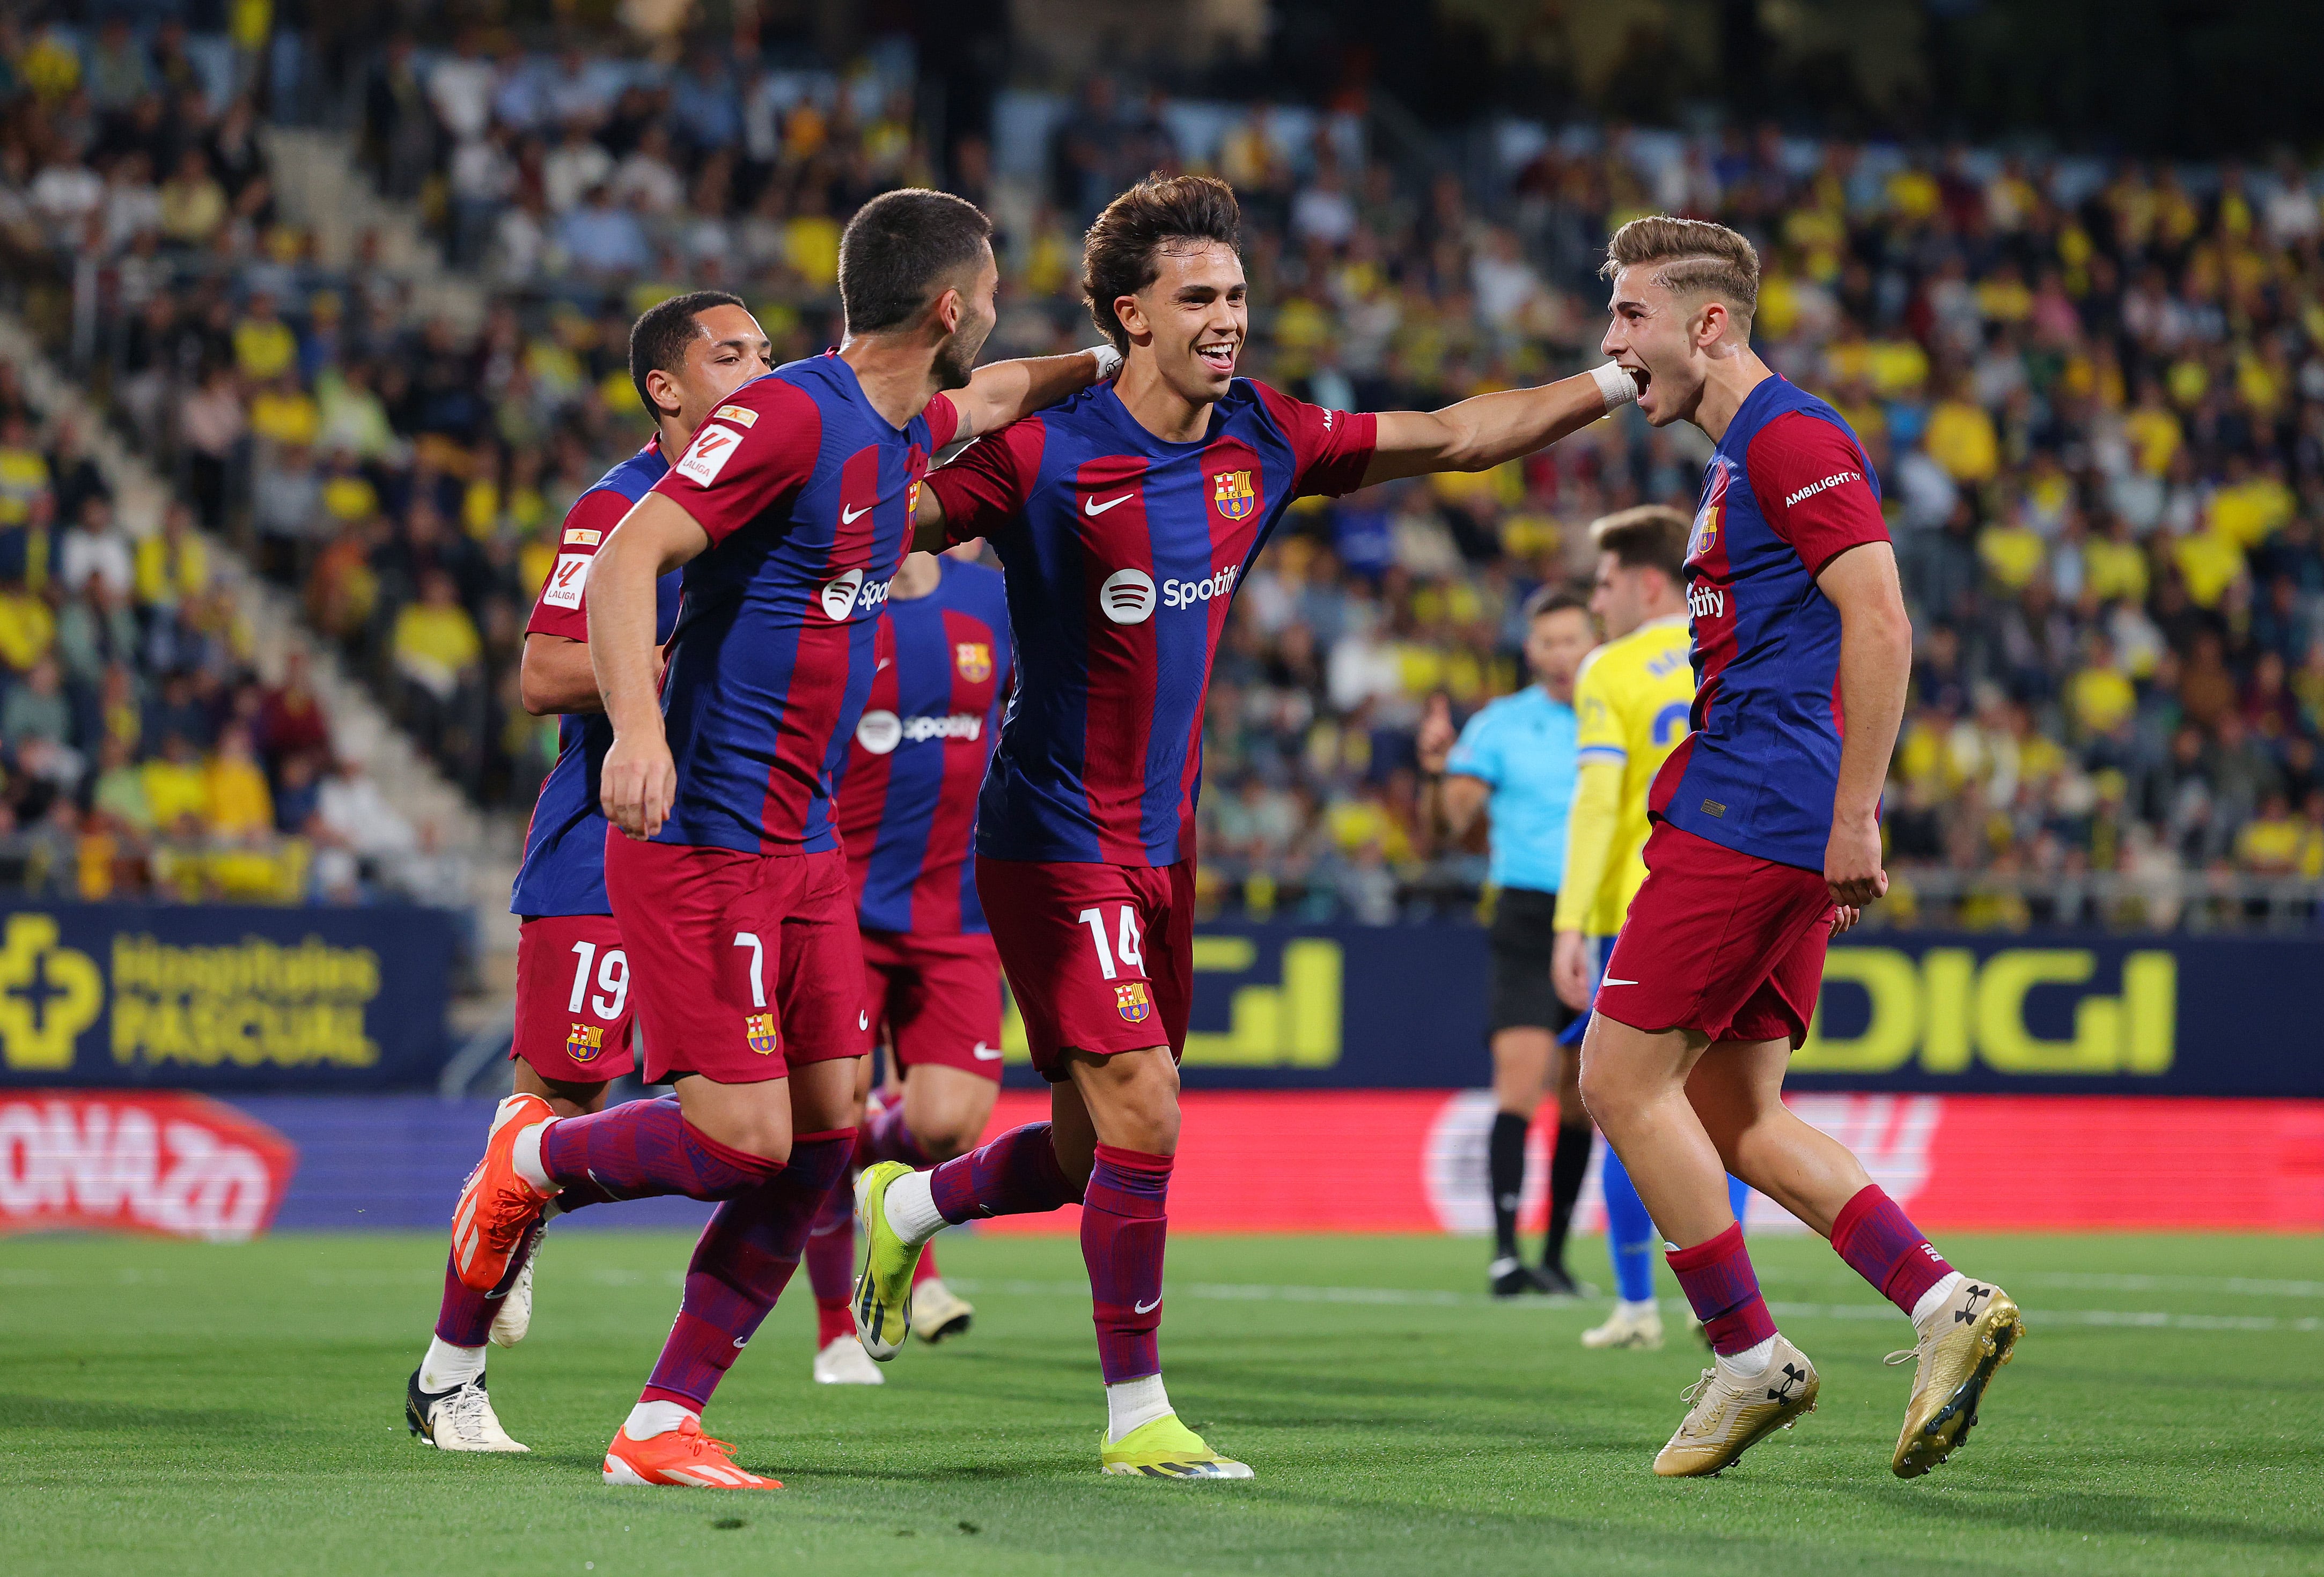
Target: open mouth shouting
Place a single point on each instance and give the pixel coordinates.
(1217, 355)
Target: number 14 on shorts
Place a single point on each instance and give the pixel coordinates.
(1129, 945)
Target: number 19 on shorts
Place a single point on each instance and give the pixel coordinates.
(612, 981)
(1128, 945)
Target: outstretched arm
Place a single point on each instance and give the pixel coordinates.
(639, 780)
(1004, 391)
(1479, 433)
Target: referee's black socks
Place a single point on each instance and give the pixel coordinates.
(1505, 1170)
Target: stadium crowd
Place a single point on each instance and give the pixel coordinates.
(2095, 396)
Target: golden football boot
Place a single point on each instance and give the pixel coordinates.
(1961, 1345)
(1730, 1416)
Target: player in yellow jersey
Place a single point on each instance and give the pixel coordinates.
(1631, 701)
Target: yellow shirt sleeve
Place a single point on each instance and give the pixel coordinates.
(1593, 826)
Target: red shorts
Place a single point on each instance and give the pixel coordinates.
(938, 999)
(573, 1003)
(748, 964)
(1100, 957)
(1718, 941)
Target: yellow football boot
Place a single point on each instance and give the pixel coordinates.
(1167, 1449)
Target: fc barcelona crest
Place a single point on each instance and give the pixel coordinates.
(1129, 999)
(973, 658)
(761, 1029)
(1236, 497)
(586, 1042)
(1704, 537)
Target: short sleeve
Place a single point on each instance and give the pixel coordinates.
(753, 454)
(943, 423)
(1476, 754)
(1330, 449)
(1598, 733)
(1815, 488)
(591, 520)
(988, 482)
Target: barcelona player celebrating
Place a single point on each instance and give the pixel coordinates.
(790, 512)
(574, 1011)
(1768, 841)
(1125, 520)
(931, 980)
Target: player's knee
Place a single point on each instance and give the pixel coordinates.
(1606, 1095)
(947, 1134)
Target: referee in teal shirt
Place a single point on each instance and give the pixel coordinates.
(1515, 763)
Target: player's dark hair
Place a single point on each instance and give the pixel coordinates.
(1553, 599)
(1653, 536)
(658, 338)
(1122, 253)
(901, 250)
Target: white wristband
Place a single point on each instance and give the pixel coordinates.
(1108, 360)
(1615, 385)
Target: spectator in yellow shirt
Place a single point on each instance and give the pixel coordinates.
(24, 470)
(28, 629)
(282, 413)
(2100, 694)
(263, 346)
(436, 643)
(176, 789)
(1960, 438)
(239, 805)
(2012, 553)
(2153, 430)
(2269, 843)
(2209, 563)
(2251, 508)
(173, 564)
(2114, 566)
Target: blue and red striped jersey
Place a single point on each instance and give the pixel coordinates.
(908, 790)
(564, 868)
(1122, 553)
(807, 492)
(1787, 490)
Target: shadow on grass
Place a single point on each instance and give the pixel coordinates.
(80, 1415)
(2055, 1507)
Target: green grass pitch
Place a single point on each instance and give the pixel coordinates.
(181, 1408)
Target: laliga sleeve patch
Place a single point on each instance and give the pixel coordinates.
(712, 447)
(566, 581)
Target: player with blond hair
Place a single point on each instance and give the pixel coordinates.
(1766, 842)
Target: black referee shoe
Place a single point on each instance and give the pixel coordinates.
(1513, 1278)
(1552, 1280)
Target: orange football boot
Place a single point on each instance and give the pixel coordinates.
(683, 1455)
(496, 1205)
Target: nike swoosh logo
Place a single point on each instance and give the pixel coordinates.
(984, 1053)
(1607, 982)
(883, 664)
(848, 517)
(1091, 507)
(864, 1021)
(1146, 1308)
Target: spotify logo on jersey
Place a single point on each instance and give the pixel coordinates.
(839, 595)
(880, 731)
(1127, 596)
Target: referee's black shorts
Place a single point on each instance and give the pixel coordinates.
(1523, 937)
